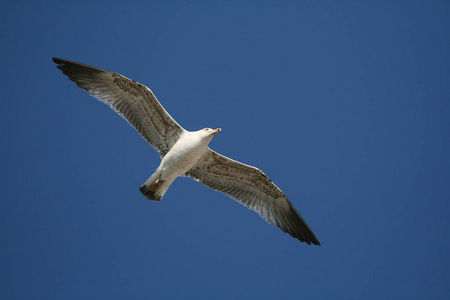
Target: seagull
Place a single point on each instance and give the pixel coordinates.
(186, 153)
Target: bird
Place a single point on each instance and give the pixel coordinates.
(186, 153)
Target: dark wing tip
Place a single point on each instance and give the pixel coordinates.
(301, 230)
(79, 73)
(58, 60)
(67, 65)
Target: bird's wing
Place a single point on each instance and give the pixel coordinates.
(130, 99)
(253, 189)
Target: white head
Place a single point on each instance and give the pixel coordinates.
(208, 133)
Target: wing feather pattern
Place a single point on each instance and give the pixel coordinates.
(253, 189)
(138, 105)
(133, 101)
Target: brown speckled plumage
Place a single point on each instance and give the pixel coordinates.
(138, 105)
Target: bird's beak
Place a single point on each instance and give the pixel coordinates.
(216, 131)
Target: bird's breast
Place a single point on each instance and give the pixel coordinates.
(181, 157)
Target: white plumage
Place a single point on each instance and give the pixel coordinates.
(186, 153)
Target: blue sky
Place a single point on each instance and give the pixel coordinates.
(343, 104)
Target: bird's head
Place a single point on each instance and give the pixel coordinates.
(207, 133)
(210, 131)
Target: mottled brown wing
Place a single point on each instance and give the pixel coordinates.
(130, 99)
(253, 189)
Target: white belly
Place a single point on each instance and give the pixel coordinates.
(181, 157)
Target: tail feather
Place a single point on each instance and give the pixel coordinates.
(151, 190)
(155, 189)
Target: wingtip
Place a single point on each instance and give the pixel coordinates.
(300, 229)
(316, 243)
(68, 64)
(57, 60)
(312, 239)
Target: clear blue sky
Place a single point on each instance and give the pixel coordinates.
(344, 104)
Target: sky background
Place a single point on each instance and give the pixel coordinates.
(344, 104)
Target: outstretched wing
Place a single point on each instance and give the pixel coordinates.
(253, 189)
(130, 99)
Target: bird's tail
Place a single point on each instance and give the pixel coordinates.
(154, 189)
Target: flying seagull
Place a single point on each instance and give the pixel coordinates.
(186, 153)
